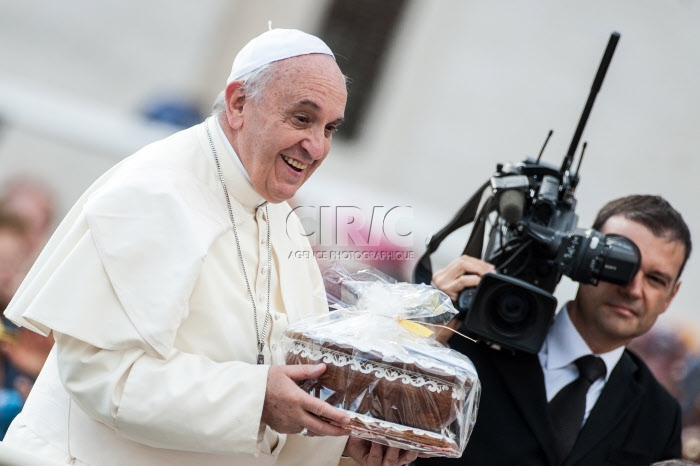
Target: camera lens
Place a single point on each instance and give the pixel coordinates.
(622, 261)
(511, 311)
(610, 258)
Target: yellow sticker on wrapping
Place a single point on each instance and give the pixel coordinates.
(416, 328)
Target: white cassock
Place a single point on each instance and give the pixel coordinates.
(156, 341)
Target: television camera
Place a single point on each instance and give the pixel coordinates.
(533, 241)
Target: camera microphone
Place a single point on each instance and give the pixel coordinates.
(511, 204)
(511, 194)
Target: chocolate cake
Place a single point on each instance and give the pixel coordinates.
(400, 389)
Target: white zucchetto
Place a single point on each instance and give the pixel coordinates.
(272, 46)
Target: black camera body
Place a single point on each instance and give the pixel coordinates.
(533, 242)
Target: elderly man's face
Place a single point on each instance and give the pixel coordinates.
(283, 136)
(13, 263)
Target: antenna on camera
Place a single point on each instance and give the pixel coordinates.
(573, 179)
(544, 145)
(597, 82)
(580, 159)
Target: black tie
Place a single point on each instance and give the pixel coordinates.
(569, 405)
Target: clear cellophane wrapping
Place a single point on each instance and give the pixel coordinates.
(400, 387)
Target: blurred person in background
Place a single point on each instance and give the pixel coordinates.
(677, 368)
(27, 201)
(667, 357)
(624, 415)
(32, 201)
(22, 352)
(169, 284)
(15, 248)
(690, 404)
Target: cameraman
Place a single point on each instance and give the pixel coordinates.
(629, 418)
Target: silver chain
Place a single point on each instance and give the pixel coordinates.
(261, 338)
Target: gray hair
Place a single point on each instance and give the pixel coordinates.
(254, 84)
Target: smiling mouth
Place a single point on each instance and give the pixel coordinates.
(295, 164)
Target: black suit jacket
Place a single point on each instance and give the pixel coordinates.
(634, 422)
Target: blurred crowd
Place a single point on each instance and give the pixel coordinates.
(672, 354)
(26, 220)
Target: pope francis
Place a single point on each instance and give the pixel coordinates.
(168, 285)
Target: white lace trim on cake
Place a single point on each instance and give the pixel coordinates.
(392, 434)
(373, 421)
(379, 370)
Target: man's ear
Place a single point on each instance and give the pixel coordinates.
(235, 100)
(672, 295)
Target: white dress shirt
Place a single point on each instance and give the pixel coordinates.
(561, 348)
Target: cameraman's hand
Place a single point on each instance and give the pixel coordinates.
(463, 272)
